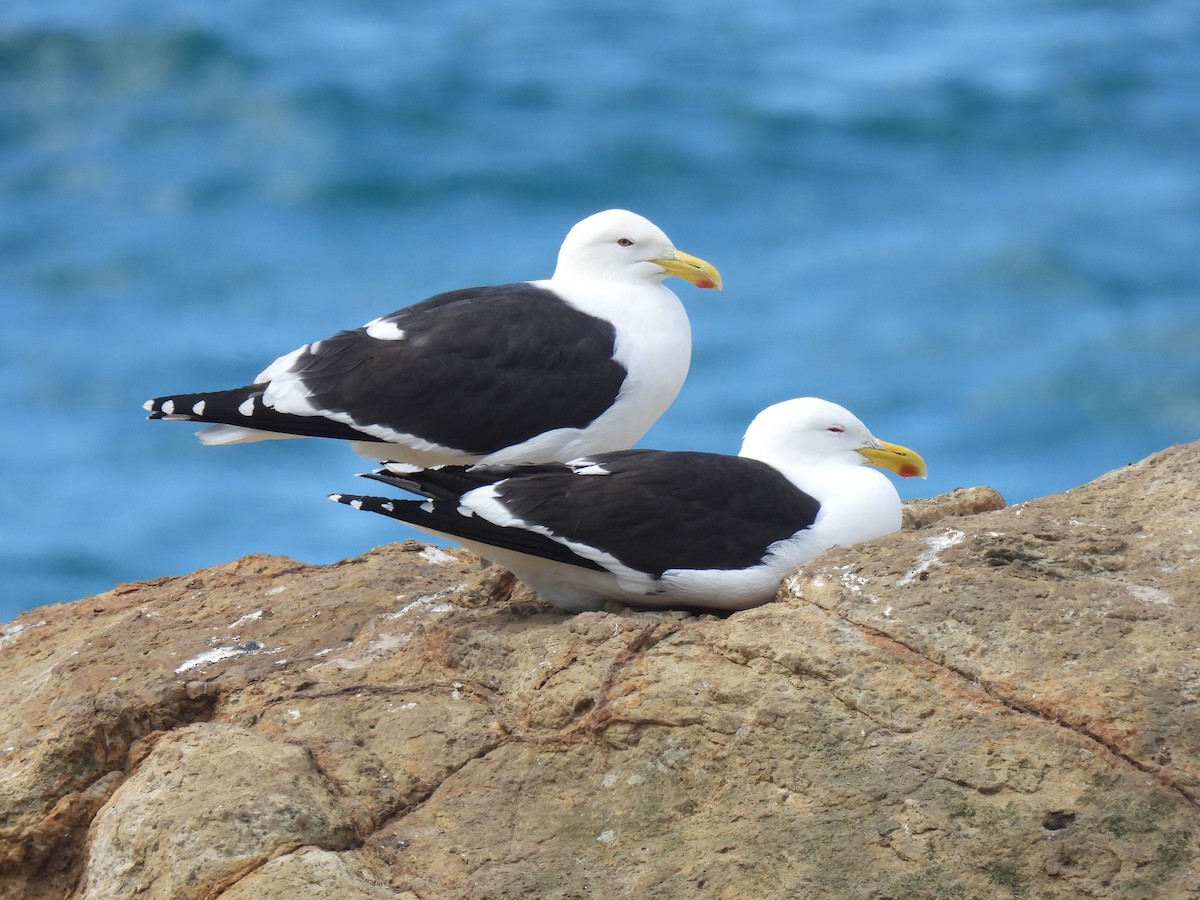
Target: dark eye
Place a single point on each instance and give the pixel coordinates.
(624, 242)
(835, 429)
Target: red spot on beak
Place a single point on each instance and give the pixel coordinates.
(908, 471)
(706, 283)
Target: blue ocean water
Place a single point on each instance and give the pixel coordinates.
(975, 224)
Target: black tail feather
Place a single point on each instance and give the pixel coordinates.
(451, 482)
(437, 483)
(243, 406)
(444, 518)
(211, 406)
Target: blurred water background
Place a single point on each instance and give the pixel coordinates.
(976, 224)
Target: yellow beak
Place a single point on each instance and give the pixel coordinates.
(904, 462)
(691, 268)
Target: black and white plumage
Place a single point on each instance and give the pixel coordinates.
(582, 362)
(668, 529)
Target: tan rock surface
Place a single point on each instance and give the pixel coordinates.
(309, 873)
(172, 830)
(1000, 704)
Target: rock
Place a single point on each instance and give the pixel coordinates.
(959, 502)
(309, 873)
(171, 830)
(999, 703)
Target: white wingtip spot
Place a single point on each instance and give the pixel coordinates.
(590, 469)
(402, 468)
(148, 406)
(247, 407)
(168, 407)
(336, 498)
(357, 504)
(383, 330)
(198, 409)
(427, 506)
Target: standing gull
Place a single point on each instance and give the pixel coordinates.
(582, 362)
(659, 529)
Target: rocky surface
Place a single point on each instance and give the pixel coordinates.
(999, 703)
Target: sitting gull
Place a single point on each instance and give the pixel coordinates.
(655, 529)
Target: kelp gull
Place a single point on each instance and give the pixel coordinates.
(583, 362)
(667, 529)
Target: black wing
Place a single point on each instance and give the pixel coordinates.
(476, 370)
(651, 510)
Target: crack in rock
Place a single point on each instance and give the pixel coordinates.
(1018, 706)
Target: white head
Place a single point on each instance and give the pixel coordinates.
(812, 432)
(618, 245)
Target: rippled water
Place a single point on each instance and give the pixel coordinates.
(975, 224)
